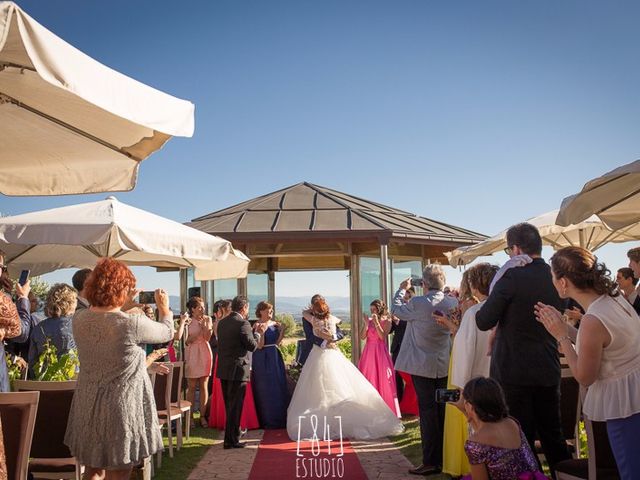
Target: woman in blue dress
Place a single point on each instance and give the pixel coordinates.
(268, 377)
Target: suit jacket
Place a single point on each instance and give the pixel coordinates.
(426, 346)
(524, 353)
(235, 341)
(309, 340)
(398, 334)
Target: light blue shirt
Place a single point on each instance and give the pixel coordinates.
(426, 346)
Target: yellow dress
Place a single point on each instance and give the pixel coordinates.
(456, 431)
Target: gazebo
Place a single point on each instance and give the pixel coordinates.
(310, 227)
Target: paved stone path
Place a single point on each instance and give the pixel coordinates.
(380, 460)
(232, 464)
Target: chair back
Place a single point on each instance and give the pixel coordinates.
(162, 389)
(18, 416)
(52, 417)
(569, 404)
(601, 457)
(176, 382)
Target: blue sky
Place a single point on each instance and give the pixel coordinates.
(480, 114)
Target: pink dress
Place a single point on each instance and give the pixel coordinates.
(377, 367)
(198, 358)
(217, 413)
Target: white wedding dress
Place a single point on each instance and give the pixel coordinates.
(334, 400)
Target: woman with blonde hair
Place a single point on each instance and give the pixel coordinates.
(57, 327)
(375, 363)
(604, 353)
(113, 423)
(469, 359)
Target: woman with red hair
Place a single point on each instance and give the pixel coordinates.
(113, 423)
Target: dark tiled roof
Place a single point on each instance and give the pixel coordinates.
(308, 208)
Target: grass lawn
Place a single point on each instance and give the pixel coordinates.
(184, 461)
(409, 444)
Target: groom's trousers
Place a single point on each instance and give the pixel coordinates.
(233, 394)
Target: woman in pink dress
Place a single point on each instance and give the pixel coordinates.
(376, 364)
(198, 359)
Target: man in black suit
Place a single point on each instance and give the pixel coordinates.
(235, 340)
(309, 338)
(525, 357)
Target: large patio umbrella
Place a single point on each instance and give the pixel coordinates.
(69, 124)
(590, 234)
(614, 197)
(77, 235)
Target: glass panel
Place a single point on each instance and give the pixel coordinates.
(401, 271)
(225, 289)
(369, 281)
(191, 279)
(210, 302)
(257, 290)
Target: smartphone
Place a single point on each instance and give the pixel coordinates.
(416, 282)
(24, 276)
(444, 395)
(147, 297)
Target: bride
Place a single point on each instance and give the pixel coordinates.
(332, 398)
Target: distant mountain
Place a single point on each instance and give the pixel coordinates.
(297, 304)
(340, 306)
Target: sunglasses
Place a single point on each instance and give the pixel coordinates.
(508, 250)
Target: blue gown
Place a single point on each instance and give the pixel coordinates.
(269, 382)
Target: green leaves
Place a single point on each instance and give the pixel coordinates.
(50, 368)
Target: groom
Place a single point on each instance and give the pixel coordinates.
(235, 340)
(309, 338)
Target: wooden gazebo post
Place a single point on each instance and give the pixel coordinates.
(356, 308)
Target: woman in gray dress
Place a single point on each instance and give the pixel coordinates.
(113, 423)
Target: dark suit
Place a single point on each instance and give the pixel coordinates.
(525, 357)
(235, 340)
(309, 340)
(398, 333)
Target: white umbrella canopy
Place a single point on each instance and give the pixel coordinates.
(614, 197)
(77, 235)
(70, 124)
(590, 234)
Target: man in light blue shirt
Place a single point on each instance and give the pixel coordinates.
(424, 354)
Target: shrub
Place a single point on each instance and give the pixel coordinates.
(345, 347)
(288, 322)
(50, 368)
(288, 352)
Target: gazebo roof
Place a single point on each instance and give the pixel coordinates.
(308, 211)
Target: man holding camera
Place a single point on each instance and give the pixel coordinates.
(424, 354)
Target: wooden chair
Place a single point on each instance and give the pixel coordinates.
(50, 457)
(570, 410)
(18, 414)
(601, 464)
(166, 413)
(176, 396)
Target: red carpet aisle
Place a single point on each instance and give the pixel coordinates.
(277, 458)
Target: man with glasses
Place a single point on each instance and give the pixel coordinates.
(15, 320)
(525, 357)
